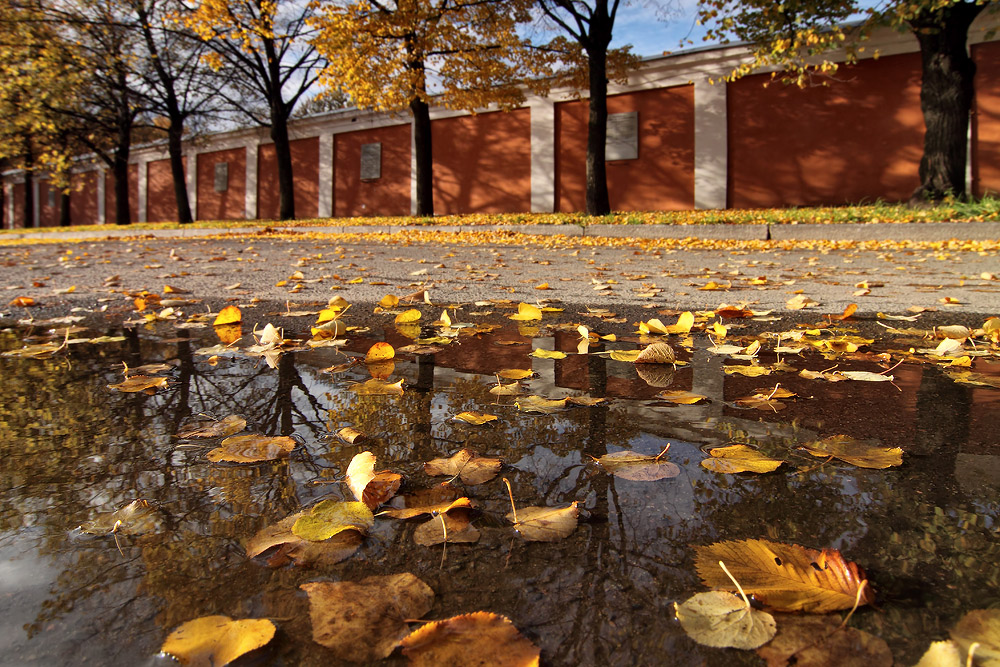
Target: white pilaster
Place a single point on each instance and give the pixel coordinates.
(143, 190)
(9, 187)
(325, 204)
(102, 184)
(710, 144)
(35, 191)
(191, 182)
(413, 169)
(543, 154)
(250, 200)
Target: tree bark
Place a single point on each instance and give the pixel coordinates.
(29, 199)
(423, 150)
(65, 219)
(597, 199)
(946, 96)
(175, 139)
(283, 155)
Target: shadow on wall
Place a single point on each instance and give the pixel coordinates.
(855, 137)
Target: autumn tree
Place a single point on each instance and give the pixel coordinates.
(408, 54)
(591, 63)
(798, 38)
(264, 48)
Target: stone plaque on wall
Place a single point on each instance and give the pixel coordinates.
(623, 136)
(221, 176)
(371, 162)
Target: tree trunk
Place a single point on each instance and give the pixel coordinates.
(123, 216)
(175, 136)
(283, 155)
(29, 199)
(598, 202)
(65, 219)
(423, 150)
(946, 96)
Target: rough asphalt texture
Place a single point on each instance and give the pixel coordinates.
(105, 269)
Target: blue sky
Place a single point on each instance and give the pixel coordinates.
(651, 30)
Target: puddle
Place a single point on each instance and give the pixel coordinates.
(71, 449)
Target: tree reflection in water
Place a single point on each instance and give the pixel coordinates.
(71, 449)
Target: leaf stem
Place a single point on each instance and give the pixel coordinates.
(511, 494)
(729, 574)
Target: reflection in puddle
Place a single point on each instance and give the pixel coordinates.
(72, 449)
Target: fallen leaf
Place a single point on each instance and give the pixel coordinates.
(981, 626)
(800, 301)
(350, 435)
(864, 454)
(379, 352)
(408, 316)
(739, 458)
(786, 577)
(722, 620)
(488, 639)
(389, 301)
(22, 301)
(942, 654)
(547, 354)
(681, 397)
(139, 383)
(213, 428)
(446, 528)
(475, 418)
(527, 313)
(329, 517)
(516, 374)
(466, 464)
(850, 310)
(625, 355)
(656, 353)
(866, 376)
(136, 518)
(639, 467)
(370, 487)
(511, 389)
(545, 524)
(376, 387)
(820, 641)
(213, 641)
(748, 371)
(252, 448)
(538, 404)
(364, 621)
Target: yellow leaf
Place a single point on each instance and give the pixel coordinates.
(228, 315)
(526, 313)
(739, 458)
(466, 464)
(856, 452)
(379, 352)
(681, 397)
(656, 353)
(217, 640)
(389, 301)
(515, 374)
(408, 316)
(547, 354)
(376, 387)
(252, 448)
(543, 286)
(721, 620)
(748, 371)
(139, 383)
(492, 638)
(476, 418)
(800, 301)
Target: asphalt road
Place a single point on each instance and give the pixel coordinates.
(942, 266)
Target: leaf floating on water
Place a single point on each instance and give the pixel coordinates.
(418, 505)
(625, 355)
(516, 374)
(722, 620)
(39, 351)
(138, 383)
(370, 487)
(862, 453)
(228, 334)
(980, 626)
(786, 577)
(136, 518)
(328, 552)
(547, 354)
(512, 389)
(466, 464)
(748, 371)
(538, 404)
(488, 639)
(681, 397)
(527, 313)
(329, 517)
(475, 418)
(657, 353)
(214, 428)
(364, 621)
(228, 315)
(942, 654)
(818, 641)
(456, 530)
(408, 316)
(214, 641)
(545, 524)
(252, 448)
(866, 376)
(639, 467)
(586, 401)
(376, 387)
(739, 458)
(350, 435)
(379, 352)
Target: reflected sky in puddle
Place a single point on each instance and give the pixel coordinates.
(926, 532)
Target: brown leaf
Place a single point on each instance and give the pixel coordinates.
(252, 448)
(657, 353)
(370, 487)
(214, 428)
(138, 383)
(786, 577)
(455, 528)
(638, 467)
(365, 620)
(864, 454)
(350, 435)
(818, 641)
(472, 468)
(477, 638)
(545, 524)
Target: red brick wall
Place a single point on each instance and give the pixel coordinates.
(83, 198)
(663, 175)
(858, 139)
(482, 163)
(228, 205)
(986, 120)
(161, 203)
(305, 172)
(388, 195)
(48, 216)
